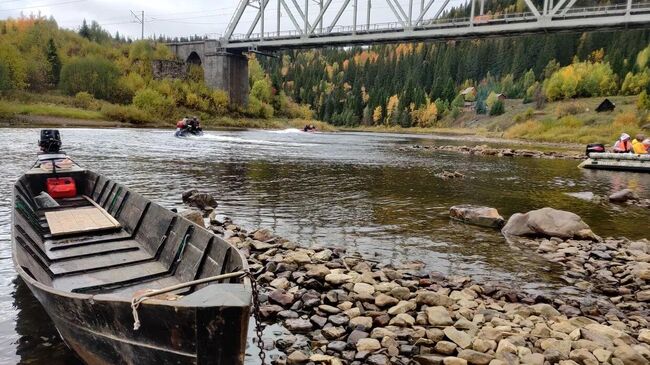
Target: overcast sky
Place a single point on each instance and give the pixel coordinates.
(182, 18)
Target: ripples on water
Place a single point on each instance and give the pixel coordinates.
(353, 190)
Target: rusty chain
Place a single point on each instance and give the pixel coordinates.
(257, 315)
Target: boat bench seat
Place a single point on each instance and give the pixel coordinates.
(109, 279)
(98, 262)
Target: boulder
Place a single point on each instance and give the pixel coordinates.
(195, 198)
(477, 215)
(193, 215)
(622, 196)
(548, 222)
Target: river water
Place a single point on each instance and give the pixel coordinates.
(355, 190)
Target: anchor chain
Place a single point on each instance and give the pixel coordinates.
(258, 317)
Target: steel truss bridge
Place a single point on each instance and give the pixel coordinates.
(316, 23)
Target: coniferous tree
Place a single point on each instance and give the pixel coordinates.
(54, 62)
(84, 31)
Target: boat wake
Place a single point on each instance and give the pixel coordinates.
(238, 140)
(288, 130)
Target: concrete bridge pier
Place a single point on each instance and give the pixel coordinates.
(222, 70)
(228, 72)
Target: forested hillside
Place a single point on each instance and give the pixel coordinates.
(419, 84)
(91, 74)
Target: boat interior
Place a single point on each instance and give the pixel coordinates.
(109, 240)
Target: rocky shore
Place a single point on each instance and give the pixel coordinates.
(484, 150)
(336, 307)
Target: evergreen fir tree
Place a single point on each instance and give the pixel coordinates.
(54, 62)
(84, 31)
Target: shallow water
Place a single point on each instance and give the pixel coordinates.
(345, 189)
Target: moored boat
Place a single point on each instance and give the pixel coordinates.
(125, 280)
(617, 161)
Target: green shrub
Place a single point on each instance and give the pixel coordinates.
(5, 78)
(126, 114)
(643, 102)
(262, 90)
(84, 100)
(526, 115)
(195, 73)
(15, 65)
(154, 102)
(497, 108)
(97, 76)
(259, 109)
(220, 101)
(455, 112)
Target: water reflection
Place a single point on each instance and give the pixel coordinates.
(38, 341)
(352, 190)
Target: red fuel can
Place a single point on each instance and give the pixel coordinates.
(61, 187)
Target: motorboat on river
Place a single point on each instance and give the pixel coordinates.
(617, 161)
(125, 280)
(188, 127)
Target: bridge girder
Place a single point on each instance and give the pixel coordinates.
(309, 30)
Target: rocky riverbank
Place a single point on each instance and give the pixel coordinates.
(336, 307)
(484, 150)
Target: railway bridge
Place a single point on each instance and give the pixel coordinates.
(271, 25)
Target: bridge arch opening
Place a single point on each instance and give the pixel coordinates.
(194, 59)
(195, 70)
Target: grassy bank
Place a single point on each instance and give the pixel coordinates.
(51, 109)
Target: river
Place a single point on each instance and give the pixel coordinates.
(355, 190)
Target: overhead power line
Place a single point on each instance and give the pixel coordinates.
(44, 5)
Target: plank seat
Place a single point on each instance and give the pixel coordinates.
(99, 262)
(58, 253)
(96, 238)
(110, 278)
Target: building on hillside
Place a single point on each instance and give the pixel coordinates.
(469, 106)
(501, 97)
(470, 91)
(606, 106)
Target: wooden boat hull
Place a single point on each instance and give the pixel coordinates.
(86, 283)
(617, 162)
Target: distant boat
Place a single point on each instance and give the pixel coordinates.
(125, 280)
(617, 161)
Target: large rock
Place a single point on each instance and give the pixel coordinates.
(195, 198)
(622, 196)
(477, 215)
(193, 215)
(548, 222)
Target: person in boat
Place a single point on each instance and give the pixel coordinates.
(623, 145)
(181, 124)
(309, 128)
(637, 144)
(646, 145)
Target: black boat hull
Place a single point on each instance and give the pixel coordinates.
(183, 134)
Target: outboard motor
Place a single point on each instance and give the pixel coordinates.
(50, 141)
(595, 148)
(51, 157)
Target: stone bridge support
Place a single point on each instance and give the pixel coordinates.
(222, 70)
